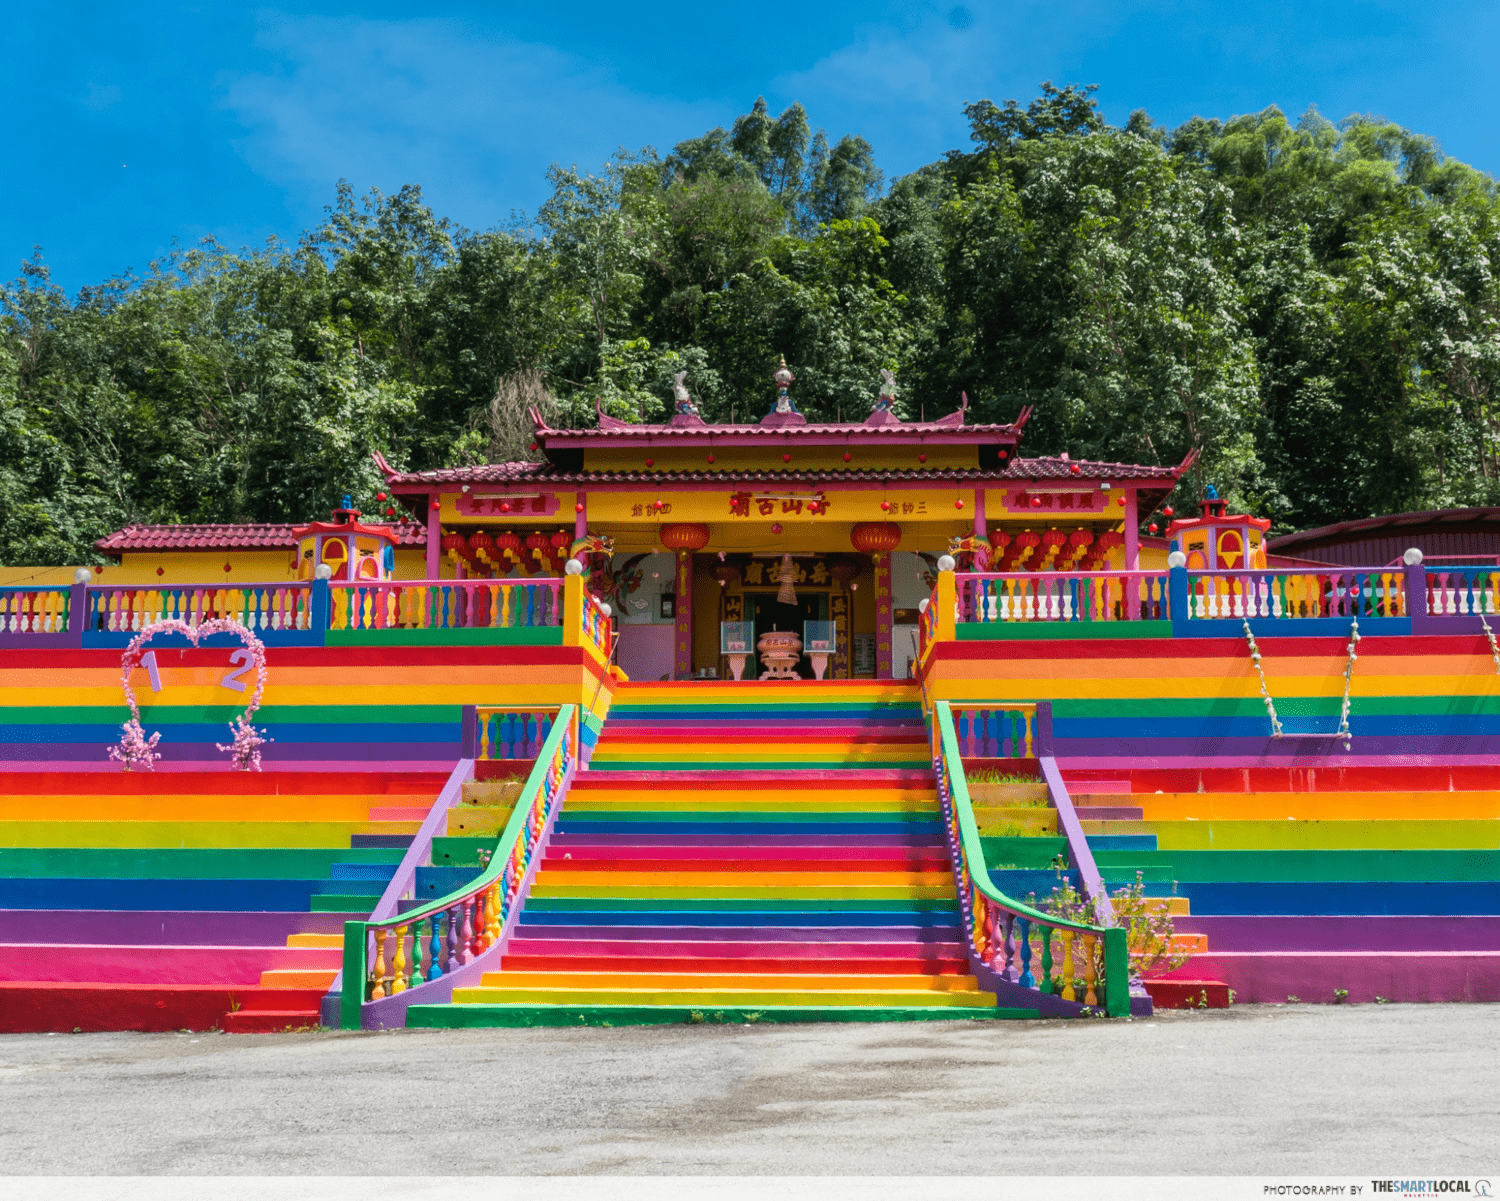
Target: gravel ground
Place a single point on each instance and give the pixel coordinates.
(1254, 1090)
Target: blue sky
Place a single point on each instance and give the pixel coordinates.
(132, 125)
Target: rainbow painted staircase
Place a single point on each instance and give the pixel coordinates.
(191, 899)
(741, 853)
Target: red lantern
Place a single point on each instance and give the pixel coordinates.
(786, 458)
(710, 458)
(683, 535)
(1152, 527)
(534, 446)
(435, 505)
(650, 462)
(847, 456)
(885, 506)
(578, 508)
(1003, 455)
(1073, 468)
(1054, 538)
(390, 512)
(454, 544)
(483, 546)
(958, 504)
(872, 536)
(1168, 511)
(380, 496)
(921, 458)
(776, 528)
(1120, 500)
(161, 571)
(227, 569)
(1036, 502)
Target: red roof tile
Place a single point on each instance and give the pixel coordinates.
(228, 536)
(1019, 470)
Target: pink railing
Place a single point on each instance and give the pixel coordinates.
(990, 597)
(446, 605)
(34, 610)
(127, 608)
(1340, 592)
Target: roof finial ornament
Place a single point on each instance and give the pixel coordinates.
(883, 411)
(785, 411)
(685, 405)
(784, 377)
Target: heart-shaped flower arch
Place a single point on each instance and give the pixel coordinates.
(136, 751)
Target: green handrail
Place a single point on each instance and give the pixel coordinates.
(966, 836)
(356, 934)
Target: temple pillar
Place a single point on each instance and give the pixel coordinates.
(981, 530)
(683, 634)
(581, 521)
(1132, 553)
(1132, 533)
(883, 639)
(434, 540)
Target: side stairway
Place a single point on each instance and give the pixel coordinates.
(1320, 884)
(189, 900)
(749, 852)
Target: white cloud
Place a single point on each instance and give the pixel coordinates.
(475, 118)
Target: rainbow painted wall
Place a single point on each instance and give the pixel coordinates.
(1139, 701)
(325, 708)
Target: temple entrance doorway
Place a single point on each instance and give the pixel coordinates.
(769, 614)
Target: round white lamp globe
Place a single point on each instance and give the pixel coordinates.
(606, 610)
(947, 563)
(1412, 557)
(323, 571)
(573, 567)
(922, 604)
(82, 576)
(1177, 559)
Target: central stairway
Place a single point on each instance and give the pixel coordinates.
(749, 852)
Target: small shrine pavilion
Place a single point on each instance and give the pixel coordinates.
(684, 526)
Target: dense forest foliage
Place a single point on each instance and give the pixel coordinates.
(1313, 306)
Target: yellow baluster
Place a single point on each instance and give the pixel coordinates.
(981, 942)
(492, 926)
(378, 973)
(1069, 993)
(1089, 996)
(398, 962)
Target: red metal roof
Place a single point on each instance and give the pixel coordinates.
(1019, 470)
(228, 536)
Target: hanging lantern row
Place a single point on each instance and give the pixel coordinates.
(1054, 550)
(540, 554)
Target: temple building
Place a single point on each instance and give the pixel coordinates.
(686, 526)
